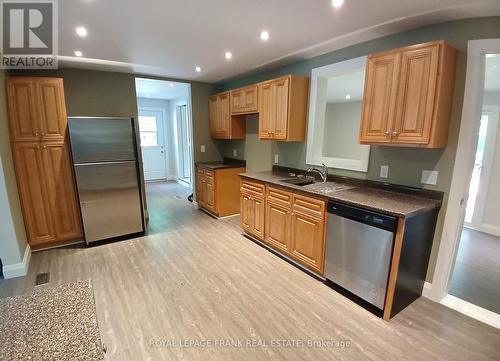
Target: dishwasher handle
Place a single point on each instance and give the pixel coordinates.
(362, 215)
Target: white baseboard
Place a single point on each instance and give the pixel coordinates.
(471, 310)
(489, 229)
(18, 269)
(426, 292)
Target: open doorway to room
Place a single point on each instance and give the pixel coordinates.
(467, 274)
(165, 130)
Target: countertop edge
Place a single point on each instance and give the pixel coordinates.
(333, 198)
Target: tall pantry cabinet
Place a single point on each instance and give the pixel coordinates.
(38, 130)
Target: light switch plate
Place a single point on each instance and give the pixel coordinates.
(384, 171)
(430, 177)
(235, 153)
(276, 159)
(202, 148)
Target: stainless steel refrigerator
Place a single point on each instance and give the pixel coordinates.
(107, 171)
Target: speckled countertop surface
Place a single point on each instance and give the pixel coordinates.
(51, 324)
(388, 202)
(226, 163)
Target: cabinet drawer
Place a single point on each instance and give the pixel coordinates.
(200, 171)
(256, 189)
(279, 197)
(309, 206)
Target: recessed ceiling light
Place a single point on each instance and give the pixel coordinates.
(198, 69)
(172, 84)
(78, 53)
(348, 96)
(264, 36)
(337, 3)
(228, 55)
(81, 31)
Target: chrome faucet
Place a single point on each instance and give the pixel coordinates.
(323, 173)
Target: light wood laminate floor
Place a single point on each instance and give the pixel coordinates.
(476, 276)
(200, 279)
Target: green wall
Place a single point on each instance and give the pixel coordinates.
(405, 164)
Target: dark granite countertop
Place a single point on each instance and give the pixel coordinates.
(381, 200)
(226, 163)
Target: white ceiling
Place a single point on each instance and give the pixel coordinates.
(492, 73)
(160, 89)
(170, 37)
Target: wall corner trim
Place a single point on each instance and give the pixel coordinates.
(427, 291)
(18, 269)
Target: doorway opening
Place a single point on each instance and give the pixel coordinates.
(165, 132)
(467, 272)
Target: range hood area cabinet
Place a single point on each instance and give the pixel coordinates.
(408, 96)
(45, 181)
(222, 124)
(281, 104)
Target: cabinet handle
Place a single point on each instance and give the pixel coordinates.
(37, 134)
(44, 147)
(387, 133)
(37, 147)
(394, 134)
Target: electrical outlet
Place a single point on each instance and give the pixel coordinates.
(429, 177)
(384, 171)
(235, 153)
(276, 159)
(202, 148)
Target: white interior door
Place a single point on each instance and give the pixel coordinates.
(152, 144)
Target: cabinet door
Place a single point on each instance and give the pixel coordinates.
(224, 116)
(277, 226)
(307, 240)
(237, 101)
(61, 193)
(31, 167)
(246, 212)
(251, 98)
(258, 217)
(52, 109)
(415, 103)
(209, 193)
(23, 111)
(213, 110)
(267, 110)
(379, 103)
(281, 104)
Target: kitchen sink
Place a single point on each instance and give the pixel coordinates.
(298, 181)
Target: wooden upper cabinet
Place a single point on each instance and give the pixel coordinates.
(381, 84)
(50, 93)
(23, 111)
(222, 124)
(244, 100)
(408, 96)
(283, 108)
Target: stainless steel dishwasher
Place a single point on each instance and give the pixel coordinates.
(358, 251)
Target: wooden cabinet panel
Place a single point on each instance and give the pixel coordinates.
(258, 218)
(31, 167)
(212, 107)
(52, 112)
(222, 124)
(419, 71)
(277, 226)
(381, 84)
(23, 114)
(209, 194)
(266, 110)
(281, 104)
(407, 99)
(61, 191)
(251, 99)
(237, 101)
(246, 212)
(307, 241)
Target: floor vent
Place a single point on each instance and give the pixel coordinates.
(42, 279)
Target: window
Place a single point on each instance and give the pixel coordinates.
(148, 131)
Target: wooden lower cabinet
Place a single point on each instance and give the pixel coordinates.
(217, 190)
(294, 223)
